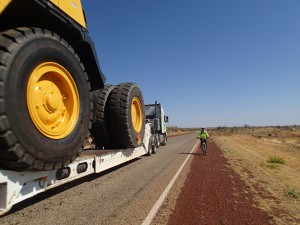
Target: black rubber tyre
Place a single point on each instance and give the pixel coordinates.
(100, 129)
(154, 148)
(164, 139)
(157, 141)
(127, 115)
(149, 153)
(23, 144)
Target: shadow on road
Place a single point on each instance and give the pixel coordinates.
(49, 193)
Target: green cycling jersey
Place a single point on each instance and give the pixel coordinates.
(203, 134)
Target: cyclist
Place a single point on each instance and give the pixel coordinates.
(203, 135)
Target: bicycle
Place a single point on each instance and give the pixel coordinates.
(204, 148)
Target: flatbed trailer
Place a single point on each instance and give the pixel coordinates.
(16, 186)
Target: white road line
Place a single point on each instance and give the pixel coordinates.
(157, 205)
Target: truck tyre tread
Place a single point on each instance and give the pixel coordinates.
(154, 149)
(164, 142)
(120, 118)
(100, 128)
(149, 153)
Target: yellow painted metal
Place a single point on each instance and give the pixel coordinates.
(52, 100)
(4, 4)
(136, 114)
(73, 8)
(56, 2)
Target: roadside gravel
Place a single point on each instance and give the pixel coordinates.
(214, 194)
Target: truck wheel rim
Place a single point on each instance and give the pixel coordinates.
(52, 100)
(136, 114)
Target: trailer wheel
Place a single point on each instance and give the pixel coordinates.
(154, 148)
(100, 128)
(157, 141)
(127, 115)
(45, 109)
(149, 153)
(164, 139)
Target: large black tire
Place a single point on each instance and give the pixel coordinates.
(45, 108)
(100, 129)
(127, 115)
(149, 153)
(163, 139)
(154, 147)
(157, 141)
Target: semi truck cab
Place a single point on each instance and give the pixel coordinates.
(156, 115)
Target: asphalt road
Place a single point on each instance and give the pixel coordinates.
(123, 195)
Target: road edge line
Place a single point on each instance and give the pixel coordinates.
(156, 206)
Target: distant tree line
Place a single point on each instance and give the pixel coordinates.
(175, 129)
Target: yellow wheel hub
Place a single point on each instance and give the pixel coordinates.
(136, 114)
(52, 100)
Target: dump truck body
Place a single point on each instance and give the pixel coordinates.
(53, 91)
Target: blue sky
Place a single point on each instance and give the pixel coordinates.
(209, 62)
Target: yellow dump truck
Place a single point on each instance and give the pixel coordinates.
(52, 91)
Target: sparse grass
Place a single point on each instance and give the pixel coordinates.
(253, 153)
(282, 134)
(273, 166)
(270, 165)
(273, 162)
(292, 193)
(173, 130)
(276, 160)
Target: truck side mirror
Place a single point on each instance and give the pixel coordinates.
(166, 119)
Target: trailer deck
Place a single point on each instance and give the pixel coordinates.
(16, 186)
